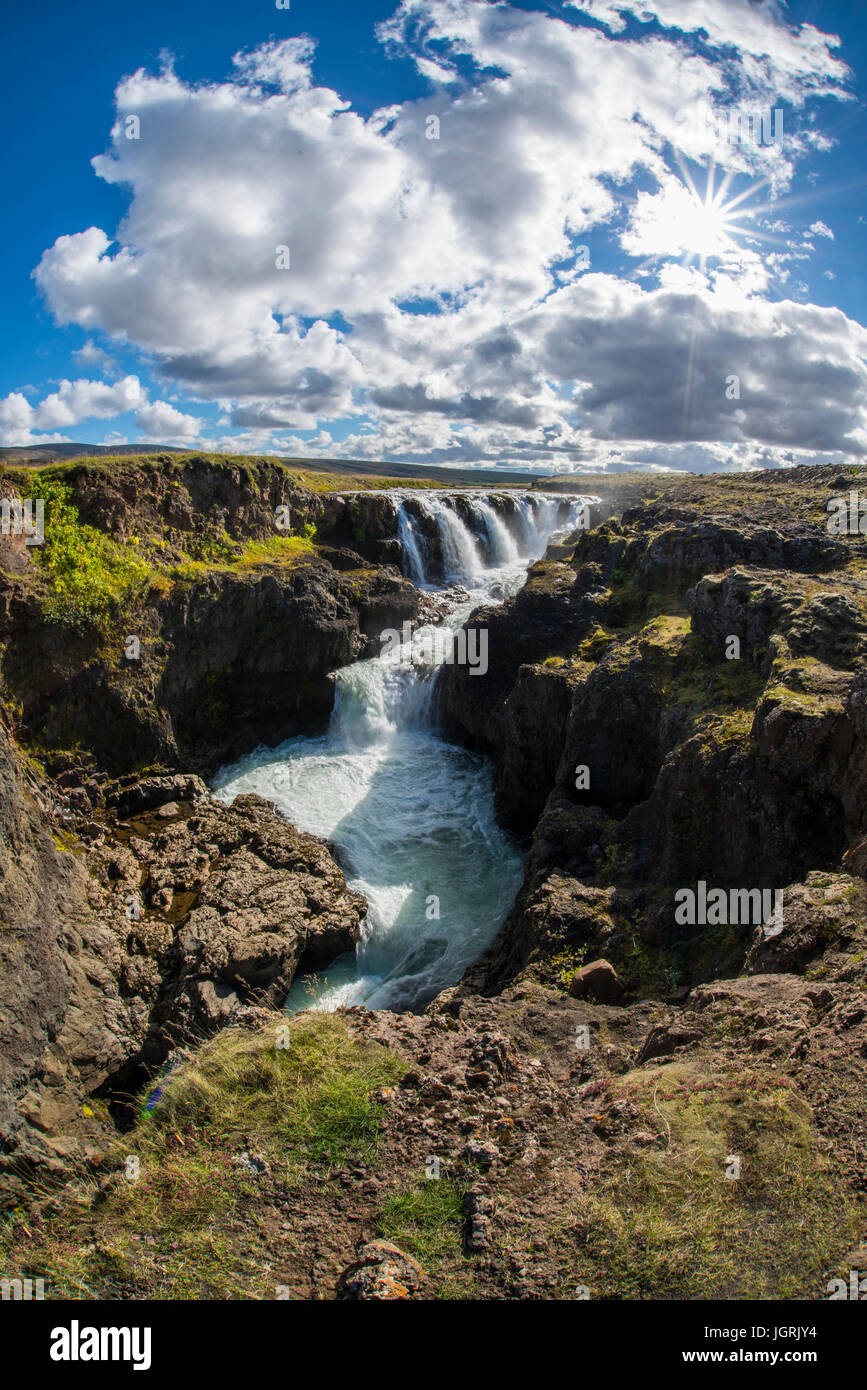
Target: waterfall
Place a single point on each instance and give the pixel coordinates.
(410, 817)
(526, 518)
(462, 562)
(468, 554)
(409, 541)
(504, 551)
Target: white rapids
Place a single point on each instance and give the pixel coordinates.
(410, 816)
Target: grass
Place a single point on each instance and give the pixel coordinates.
(296, 471)
(666, 1223)
(191, 1224)
(307, 1103)
(276, 550)
(425, 1220)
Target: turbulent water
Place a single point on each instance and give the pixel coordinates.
(411, 817)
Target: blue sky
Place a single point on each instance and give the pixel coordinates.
(501, 248)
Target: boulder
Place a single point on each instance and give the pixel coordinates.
(598, 981)
(382, 1272)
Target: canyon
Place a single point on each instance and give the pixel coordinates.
(160, 902)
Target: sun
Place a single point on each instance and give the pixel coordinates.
(704, 228)
(709, 224)
(679, 221)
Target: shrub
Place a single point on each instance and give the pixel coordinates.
(88, 576)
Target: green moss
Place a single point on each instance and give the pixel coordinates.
(564, 964)
(596, 643)
(803, 701)
(631, 603)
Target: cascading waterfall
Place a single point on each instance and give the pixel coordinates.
(461, 559)
(503, 547)
(410, 816)
(410, 545)
(468, 552)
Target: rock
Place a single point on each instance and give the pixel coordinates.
(382, 1272)
(412, 1080)
(484, 1154)
(599, 981)
(824, 916)
(432, 1088)
(477, 1209)
(156, 794)
(254, 1164)
(230, 900)
(664, 1039)
(522, 726)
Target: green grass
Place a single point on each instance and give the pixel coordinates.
(309, 1103)
(88, 577)
(299, 472)
(666, 1223)
(426, 1221)
(191, 1225)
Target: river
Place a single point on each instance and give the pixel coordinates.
(410, 815)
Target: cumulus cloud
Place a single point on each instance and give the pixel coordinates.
(434, 287)
(673, 364)
(162, 423)
(76, 401)
(70, 404)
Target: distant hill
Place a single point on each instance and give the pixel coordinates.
(46, 453)
(491, 477)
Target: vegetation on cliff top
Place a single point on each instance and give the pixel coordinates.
(88, 578)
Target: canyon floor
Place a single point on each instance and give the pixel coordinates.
(611, 1104)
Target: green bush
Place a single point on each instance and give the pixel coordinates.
(89, 577)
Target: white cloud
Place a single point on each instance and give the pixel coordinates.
(163, 424)
(91, 355)
(543, 127)
(75, 401)
(72, 403)
(772, 51)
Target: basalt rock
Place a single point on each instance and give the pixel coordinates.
(661, 753)
(813, 617)
(170, 922)
(190, 497)
(548, 618)
(227, 662)
(599, 981)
